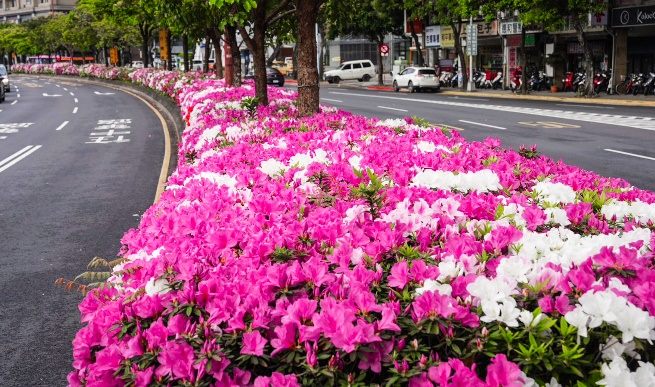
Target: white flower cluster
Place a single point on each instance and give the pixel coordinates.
(430, 147)
(617, 374)
(272, 167)
(495, 296)
(392, 123)
(596, 308)
(554, 192)
(484, 180)
(421, 214)
(564, 247)
(638, 210)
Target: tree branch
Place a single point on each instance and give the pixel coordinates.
(272, 14)
(250, 42)
(280, 16)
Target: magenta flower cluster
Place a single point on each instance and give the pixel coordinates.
(337, 249)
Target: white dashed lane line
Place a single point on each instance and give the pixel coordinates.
(394, 109)
(60, 127)
(14, 103)
(332, 100)
(75, 110)
(485, 125)
(629, 154)
(76, 100)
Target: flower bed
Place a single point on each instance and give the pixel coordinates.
(338, 249)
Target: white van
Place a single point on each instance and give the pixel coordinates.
(361, 70)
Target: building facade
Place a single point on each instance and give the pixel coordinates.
(17, 11)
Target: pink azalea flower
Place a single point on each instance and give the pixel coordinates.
(503, 373)
(176, 359)
(399, 275)
(253, 344)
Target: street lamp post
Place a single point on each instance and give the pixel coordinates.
(469, 86)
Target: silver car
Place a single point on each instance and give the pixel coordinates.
(416, 78)
(4, 74)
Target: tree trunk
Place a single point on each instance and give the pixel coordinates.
(524, 72)
(185, 51)
(588, 58)
(308, 87)
(145, 37)
(417, 43)
(169, 52)
(218, 57)
(257, 45)
(231, 38)
(105, 53)
(276, 52)
(460, 53)
(205, 57)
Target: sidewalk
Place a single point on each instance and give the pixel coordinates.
(567, 97)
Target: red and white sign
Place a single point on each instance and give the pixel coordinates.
(384, 49)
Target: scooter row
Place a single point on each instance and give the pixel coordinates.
(450, 79)
(637, 84)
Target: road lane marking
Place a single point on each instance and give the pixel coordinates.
(71, 93)
(65, 89)
(629, 154)
(60, 127)
(480, 124)
(470, 98)
(76, 100)
(18, 156)
(14, 103)
(644, 123)
(548, 124)
(585, 106)
(390, 108)
(57, 85)
(17, 96)
(331, 100)
(99, 93)
(51, 95)
(75, 110)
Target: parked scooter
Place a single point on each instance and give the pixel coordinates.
(497, 81)
(601, 82)
(568, 81)
(515, 82)
(638, 85)
(649, 85)
(537, 81)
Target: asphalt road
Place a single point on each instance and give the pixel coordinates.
(610, 140)
(69, 189)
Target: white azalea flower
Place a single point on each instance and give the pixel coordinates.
(431, 285)
(157, 286)
(554, 192)
(272, 167)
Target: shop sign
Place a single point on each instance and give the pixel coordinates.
(597, 48)
(515, 40)
(511, 28)
(512, 57)
(447, 37)
(633, 16)
(488, 29)
(432, 36)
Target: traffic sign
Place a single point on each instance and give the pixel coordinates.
(384, 49)
(472, 39)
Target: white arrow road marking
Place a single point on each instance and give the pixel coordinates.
(51, 95)
(60, 127)
(630, 154)
(99, 93)
(645, 123)
(479, 124)
(18, 156)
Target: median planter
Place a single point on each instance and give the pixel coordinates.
(337, 249)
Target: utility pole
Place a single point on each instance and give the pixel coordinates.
(469, 44)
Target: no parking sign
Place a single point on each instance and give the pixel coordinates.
(384, 49)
